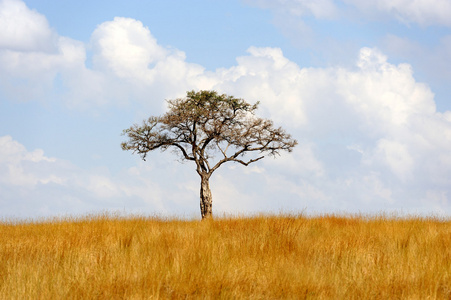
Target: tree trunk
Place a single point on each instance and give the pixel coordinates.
(205, 198)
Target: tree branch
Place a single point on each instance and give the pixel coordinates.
(200, 123)
(249, 162)
(183, 151)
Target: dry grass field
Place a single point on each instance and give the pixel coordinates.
(260, 257)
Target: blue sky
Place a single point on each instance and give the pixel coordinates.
(362, 85)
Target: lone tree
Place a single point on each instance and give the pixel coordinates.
(209, 129)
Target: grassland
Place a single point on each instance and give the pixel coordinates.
(262, 257)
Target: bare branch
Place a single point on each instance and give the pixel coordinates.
(249, 162)
(197, 126)
(185, 155)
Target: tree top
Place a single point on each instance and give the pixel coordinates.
(206, 124)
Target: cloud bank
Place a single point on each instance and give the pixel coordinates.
(370, 137)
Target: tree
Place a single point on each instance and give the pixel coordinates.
(210, 130)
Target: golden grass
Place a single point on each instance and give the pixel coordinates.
(262, 257)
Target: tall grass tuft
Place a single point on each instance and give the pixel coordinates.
(260, 257)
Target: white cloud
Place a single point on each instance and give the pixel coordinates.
(127, 53)
(385, 94)
(370, 137)
(34, 185)
(302, 160)
(396, 156)
(19, 167)
(379, 95)
(24, 29)
(128, 63)
(127, 48)
(32, 54)
(378, 109)
(267, 75)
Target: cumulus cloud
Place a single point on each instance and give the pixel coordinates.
(32, 53)
(125, 57)
(370, 136)
(127, 48)
(24, 29)
(371, 129)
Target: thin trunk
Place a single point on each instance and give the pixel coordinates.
(205, 198)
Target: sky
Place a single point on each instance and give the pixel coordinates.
(362, 85)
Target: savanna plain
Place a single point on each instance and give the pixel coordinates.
(258, 257)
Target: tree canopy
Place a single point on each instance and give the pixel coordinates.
(209, 129)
